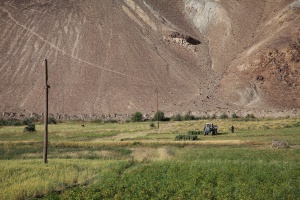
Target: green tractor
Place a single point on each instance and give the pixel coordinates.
(210, 128)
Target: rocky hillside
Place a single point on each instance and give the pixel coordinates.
(108, 57)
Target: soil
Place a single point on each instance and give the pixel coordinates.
(107, 58)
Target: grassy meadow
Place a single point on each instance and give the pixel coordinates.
(136, 161)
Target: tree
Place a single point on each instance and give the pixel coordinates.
(137, 117)
(224, 116)
(159, 115)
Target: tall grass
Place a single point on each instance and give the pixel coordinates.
(22, 179)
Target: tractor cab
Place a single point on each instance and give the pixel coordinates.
(210, 128)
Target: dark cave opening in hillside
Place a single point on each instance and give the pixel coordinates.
(192, 41)
(188, 39)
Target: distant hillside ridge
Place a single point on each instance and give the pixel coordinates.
(108, 58)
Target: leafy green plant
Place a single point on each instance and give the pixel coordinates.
(188, 117)
(186, 137)
(152, 125)
(27, 121)
(137, 117)
(234, 116)
(249, 117)
(297, 124)
(52, 120)
(97, 121)
(159, 115)
(10, 122)
(30, 128)
(177, 117)
(194, 132)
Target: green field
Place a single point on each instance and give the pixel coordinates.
(135, 161)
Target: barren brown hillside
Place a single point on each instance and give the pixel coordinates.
(108, 57)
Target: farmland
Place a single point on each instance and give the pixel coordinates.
(89, 160)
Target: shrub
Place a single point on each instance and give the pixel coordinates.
(30, 128)
(159, 115)
(296, 124)
(15, 122)
(214, 116)
(179, 137)
(249, 117)
(27, 121)
(52, 120)
(188, 117)
(137, 117)
(177, 117)
(111, 121)
(97, 121)
(224, 116)
(152, 125)
(234, 116)
(166, 119)
(194, 132)
(10, 122)
(186, 137)
(2, 122)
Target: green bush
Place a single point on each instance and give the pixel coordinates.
(137, 117)
(188, 117)
(2, 122)
(194, 132)
(159, 115)
(234, 116)
(177, 117)
(97, 121)
(52, 120)
(30, 128)
(27, 121)
(10, 122)
(249, 117)
(186, 137)
(15, 122)
(152, 125)
(296, 124)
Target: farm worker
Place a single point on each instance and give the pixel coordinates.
(232, 129)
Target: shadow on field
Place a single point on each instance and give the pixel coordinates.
(222, 133)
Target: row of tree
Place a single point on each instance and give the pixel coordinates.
(138, 117)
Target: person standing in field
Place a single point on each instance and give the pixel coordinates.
(232, 129)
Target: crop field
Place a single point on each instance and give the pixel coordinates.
(89, 160)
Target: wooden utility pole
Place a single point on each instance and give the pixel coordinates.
(157, 114)
(46, 114)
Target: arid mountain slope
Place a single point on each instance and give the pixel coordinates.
(109, 56)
